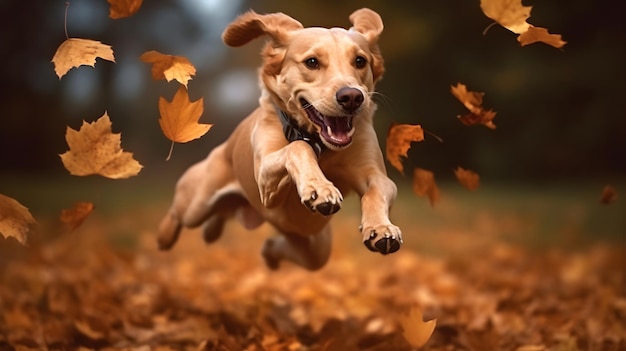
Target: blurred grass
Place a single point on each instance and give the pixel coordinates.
(565, 214)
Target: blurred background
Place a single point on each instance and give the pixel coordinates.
(559, 112)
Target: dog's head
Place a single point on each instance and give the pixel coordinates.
(323, 78)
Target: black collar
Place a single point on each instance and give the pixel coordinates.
(293, 132)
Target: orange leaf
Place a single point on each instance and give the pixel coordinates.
(179, 118)
(535, 34)
(399, 139)
(473, 101)
(414, 329)
(75, 216)
(609, 195)
(123, 8)
(169, 67)
(424, 185)
(75, 52)
(94, 149)
(15, 219)
(512, 15)
(467, 178)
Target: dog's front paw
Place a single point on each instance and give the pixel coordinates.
(323, 198)
(385, 239)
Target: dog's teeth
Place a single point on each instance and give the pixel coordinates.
(351, 132)
(329, 131)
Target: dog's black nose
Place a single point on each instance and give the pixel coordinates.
(349, 98)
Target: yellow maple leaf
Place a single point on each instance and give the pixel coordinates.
(179, 118)
(424, 185)
(123, 8)
(75, 52)
(95, 149)
(512, 15)
(399, 139)
(169, 67)
(473, 101)
(414, 329)
(15, 219)
(76, 215)
(467, 178)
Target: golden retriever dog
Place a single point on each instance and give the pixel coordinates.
(309, 143)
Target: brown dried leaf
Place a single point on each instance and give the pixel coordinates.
(424, 185)
(609, 195)
(123, 8)
(467, 178)
(75, 52)
(76, 215)
(473, 101)
(414, 329)
(15, 219)
(169, 67)
(538, 34)
(399, 139)
(94, 149)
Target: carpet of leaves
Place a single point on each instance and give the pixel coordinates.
(105, 286)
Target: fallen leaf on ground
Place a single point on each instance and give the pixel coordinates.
(95, 149)
(15, 219)
(179, 118)
(399, 139)
(76, 215)
(123, 8)
(467, 178)
(169, 67)
(424, 185)
(75, 52)
(512, 15)
(414, 329)
(473, 101)
(609, 195)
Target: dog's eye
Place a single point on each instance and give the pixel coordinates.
(360, 62)
(312, 63)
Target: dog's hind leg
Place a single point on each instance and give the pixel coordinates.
(194, 196)
(311, 252)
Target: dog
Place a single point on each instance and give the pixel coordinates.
(310, 142)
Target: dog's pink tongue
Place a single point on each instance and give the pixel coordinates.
(338, 129)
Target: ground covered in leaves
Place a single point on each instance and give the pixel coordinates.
(104, 286)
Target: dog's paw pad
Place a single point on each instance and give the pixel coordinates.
(327, 208)
(385, 245)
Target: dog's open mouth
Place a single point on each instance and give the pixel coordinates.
(334, 130)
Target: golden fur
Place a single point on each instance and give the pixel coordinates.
(323, 79)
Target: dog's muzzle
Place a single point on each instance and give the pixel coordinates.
(336, 131)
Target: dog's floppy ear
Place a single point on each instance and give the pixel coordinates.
(368, 23)
(252, 25)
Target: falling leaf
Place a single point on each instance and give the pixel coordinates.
(94, 149)
(414, 329)
(473, 101)
(536, 34)
(424, 185)
(399, 139)
(75, 52)
(169, 67)
(609, 195)
(75, 216)
(179, 118)
(123, 8)
(15, 219)
(512, 15)
(467, 178)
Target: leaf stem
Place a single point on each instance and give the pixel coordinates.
(170, 154)
(67, 6)
(489, 27)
